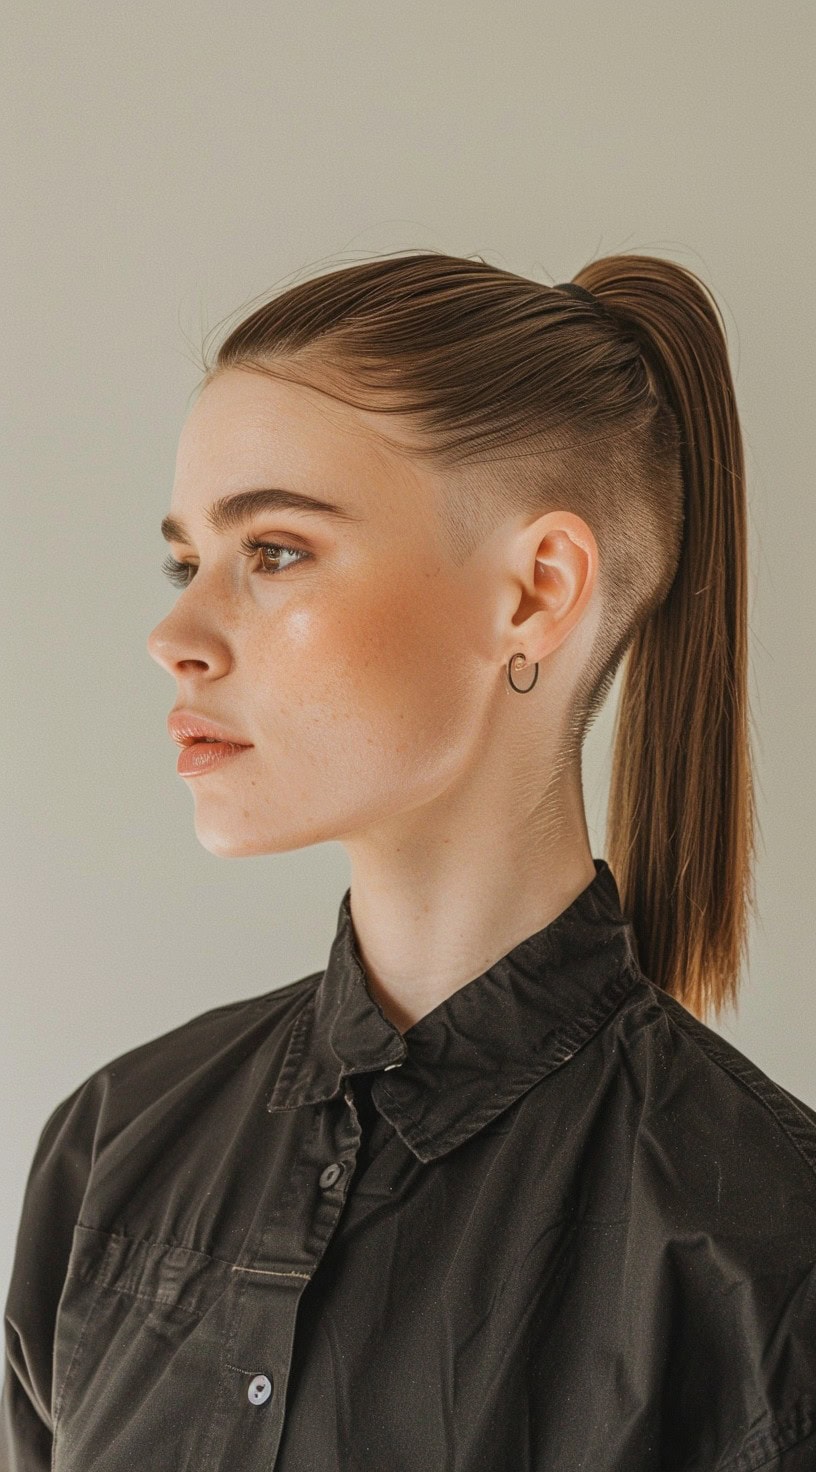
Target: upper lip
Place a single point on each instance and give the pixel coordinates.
(185, 727)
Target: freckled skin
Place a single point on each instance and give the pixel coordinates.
(371, 678)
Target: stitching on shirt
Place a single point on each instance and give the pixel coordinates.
(791, 1119)
(173, 1246)
(147, 1241)
(791, 1429)
(153, 1242)
(296, 1046)
(162, 1298)
(238, 1267)
(69, 1372)
(565, 1042)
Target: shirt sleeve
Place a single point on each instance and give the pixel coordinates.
(52, 1203)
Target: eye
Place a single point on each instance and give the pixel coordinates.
(177, 571)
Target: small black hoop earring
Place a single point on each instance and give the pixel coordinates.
(517, 662)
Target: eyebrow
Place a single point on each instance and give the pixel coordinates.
(233, 511)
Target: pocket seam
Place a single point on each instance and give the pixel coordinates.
(161, 1298)
(149, 1242)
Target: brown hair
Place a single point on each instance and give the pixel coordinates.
(624, 411)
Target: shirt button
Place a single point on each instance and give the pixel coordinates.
(329, 1175)
(260, 1389)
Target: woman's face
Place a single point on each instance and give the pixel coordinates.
(362, 663)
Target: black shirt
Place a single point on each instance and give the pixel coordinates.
(559, 1224)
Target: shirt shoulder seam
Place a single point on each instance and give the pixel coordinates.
(793, 1121)
(790, 1429)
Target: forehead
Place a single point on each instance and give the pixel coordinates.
(250, 428)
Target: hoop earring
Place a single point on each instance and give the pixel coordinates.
(518, 662)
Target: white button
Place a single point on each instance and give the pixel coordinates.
(260, 1390)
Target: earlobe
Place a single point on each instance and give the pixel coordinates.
(517, 662)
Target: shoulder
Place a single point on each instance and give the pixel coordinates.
(718, 1142)
(188, 1057)
(722, 1220)
(713, 1068)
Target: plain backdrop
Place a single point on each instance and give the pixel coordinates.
(165, 164)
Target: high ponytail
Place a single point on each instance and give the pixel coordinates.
(622, 409)
(681, 824)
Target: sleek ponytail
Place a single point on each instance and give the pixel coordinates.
(680, 824)
(622, 410)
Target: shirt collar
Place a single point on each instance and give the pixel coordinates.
(464, 1062)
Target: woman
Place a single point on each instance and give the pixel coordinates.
(487, 1192)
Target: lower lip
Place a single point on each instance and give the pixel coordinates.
(203, 756)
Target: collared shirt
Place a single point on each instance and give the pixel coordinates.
(558, 1224)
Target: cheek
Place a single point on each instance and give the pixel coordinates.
(378, 683)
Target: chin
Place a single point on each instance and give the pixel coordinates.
(226, 846)
(226, 843)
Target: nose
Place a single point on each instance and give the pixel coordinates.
(175, 651)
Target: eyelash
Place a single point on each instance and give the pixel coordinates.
(176, 570)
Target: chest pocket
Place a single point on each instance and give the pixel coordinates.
(138, 1346)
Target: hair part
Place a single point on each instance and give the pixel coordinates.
(622, 411)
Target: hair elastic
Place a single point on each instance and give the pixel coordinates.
(576, 291)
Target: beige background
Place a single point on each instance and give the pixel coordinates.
(166, 163)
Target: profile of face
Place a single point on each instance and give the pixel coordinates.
(361, 664)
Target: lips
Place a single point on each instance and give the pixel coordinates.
(187, 728)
